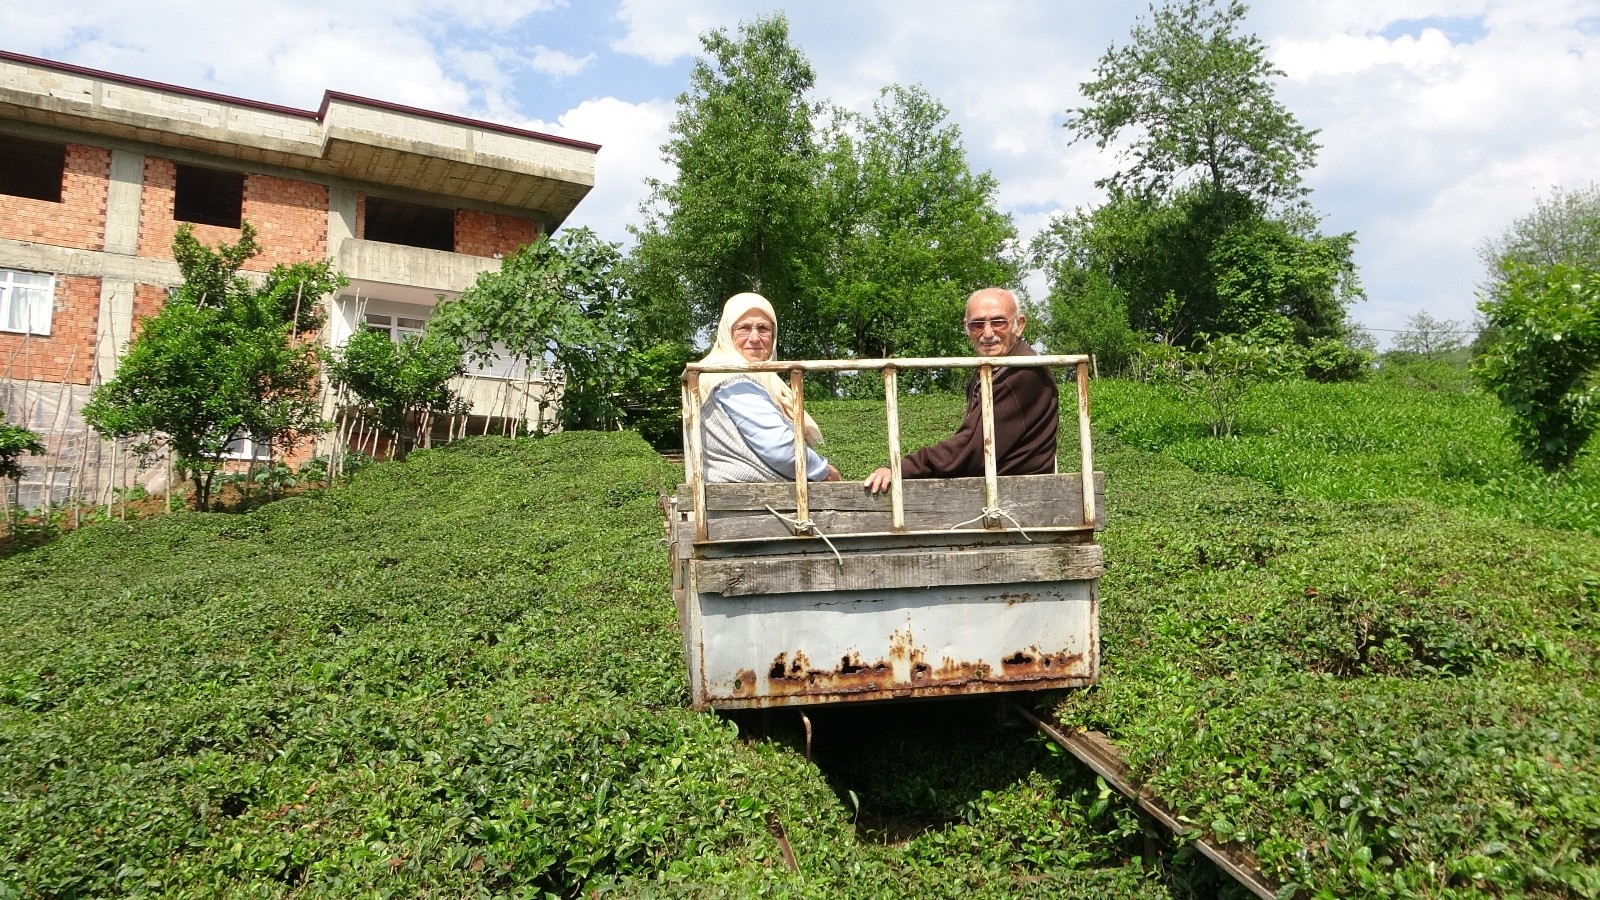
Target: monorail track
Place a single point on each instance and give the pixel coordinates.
(1096, 751)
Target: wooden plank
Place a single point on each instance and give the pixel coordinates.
(802, 487)
(1030, 501)
(922, 494)
(991, 474)
(834, 525)
(1090, 514)
(874, 542)
(897, 490)
(790, 574)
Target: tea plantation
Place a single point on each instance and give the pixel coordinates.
(459, 677)
(1333, 639)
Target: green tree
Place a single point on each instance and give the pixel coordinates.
(912, 230)
(1265, 267)
(1545, 364)
(15, 441)
(1563, 228)
(1087, 312)
(1430, 337)
(224, 359)
(1217, 376)
(1206, 230)
(1197, 263)
(1196, 95)
(396, 381)
(557, 304)
(741, 213)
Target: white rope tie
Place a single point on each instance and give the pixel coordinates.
(995, 513)
(808, 525)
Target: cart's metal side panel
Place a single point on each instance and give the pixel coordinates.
(832, 646)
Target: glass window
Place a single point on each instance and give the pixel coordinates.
(244, 448)
(397, 327)
(26, 299)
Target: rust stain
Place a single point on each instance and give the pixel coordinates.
(1032, 664)
(744, 683)
(793, 676)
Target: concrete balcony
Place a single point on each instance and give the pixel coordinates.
(407, 274)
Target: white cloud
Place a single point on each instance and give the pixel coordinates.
(557, 63)
(662, 32)
(630, 136)
(1442, 120)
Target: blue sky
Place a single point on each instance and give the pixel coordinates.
(1441, 121)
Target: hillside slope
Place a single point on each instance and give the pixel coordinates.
(1395, 696)
(459, 676)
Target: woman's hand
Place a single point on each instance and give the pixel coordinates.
(833, 474)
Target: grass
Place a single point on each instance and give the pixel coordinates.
(461, 677)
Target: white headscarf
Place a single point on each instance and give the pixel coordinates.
(725, 352)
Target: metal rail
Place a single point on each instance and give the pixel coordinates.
(1096, 751)
(694, 458)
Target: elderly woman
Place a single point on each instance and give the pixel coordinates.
(747, 418)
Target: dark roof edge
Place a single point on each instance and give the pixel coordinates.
(318, 115)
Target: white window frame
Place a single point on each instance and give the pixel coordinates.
(392, 325)
(389, 313)
(40, 300)
(244, 449)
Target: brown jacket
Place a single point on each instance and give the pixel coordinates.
(1026, 410)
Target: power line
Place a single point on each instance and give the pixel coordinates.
(1421, 331)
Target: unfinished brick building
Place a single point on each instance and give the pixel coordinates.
(97, 171)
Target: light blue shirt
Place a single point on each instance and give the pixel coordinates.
(764, 428)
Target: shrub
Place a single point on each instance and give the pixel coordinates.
(1544, 364)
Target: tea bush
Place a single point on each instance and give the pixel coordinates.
(1386, 440)
(458, 676)
(1321, 641)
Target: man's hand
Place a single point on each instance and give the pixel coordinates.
(878, 481)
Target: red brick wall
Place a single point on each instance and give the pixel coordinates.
(67, 352)
(147, 301)
(290, 217)
(485, 234)
(79, 220)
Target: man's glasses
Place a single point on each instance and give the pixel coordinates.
(999, 324)
(749, 328)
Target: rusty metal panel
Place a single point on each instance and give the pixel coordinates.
(845, 646)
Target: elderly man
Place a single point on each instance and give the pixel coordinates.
(1026, 406)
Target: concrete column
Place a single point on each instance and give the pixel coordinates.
(123, 201)
(115, 326)
(341, 217)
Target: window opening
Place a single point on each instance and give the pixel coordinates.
(245, 448)
(32, 169)
(208, 197)
(397, 327)
(25, 301)
(411, 224)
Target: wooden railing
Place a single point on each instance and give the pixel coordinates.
(992, 513)
(693, 452)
